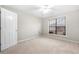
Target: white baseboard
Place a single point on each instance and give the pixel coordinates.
(30, 38)
(52, 37)
(61, 38)
(74, 41)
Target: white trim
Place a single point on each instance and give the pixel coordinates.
(74, 41)
(30, 38)
(61, 38)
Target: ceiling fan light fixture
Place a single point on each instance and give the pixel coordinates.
(45, 8)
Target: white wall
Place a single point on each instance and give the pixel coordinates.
(45, 28)
(72, 20)
(72, 26)
(28, 26)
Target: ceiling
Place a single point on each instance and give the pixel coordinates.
(34, 9)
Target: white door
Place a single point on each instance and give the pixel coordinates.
(8, 29)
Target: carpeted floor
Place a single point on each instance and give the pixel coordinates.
(43, 45)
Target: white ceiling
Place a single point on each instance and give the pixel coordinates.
(34, 9)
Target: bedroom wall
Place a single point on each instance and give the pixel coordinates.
(72, 26)
(72, 21)
(28, 26)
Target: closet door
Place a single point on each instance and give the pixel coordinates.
(8, 29)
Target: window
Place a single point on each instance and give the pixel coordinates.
(52, 26)
(57, 26)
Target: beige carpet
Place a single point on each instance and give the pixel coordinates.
(43, 45)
